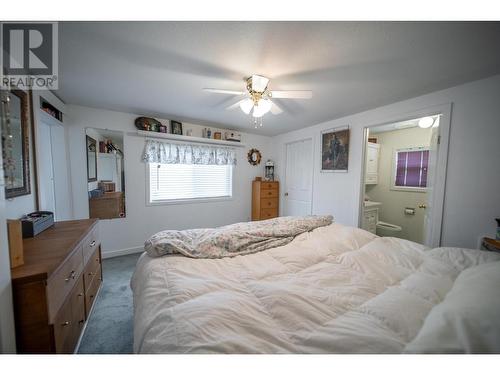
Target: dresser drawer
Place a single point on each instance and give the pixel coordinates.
(269, 193)
(269, 203)
(92, 269)
(78, 305)
(69, 320)
(91, 294)
(60, 284)
(90, 243)
(268, 213)
(269, 185)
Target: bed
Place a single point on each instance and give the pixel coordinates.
(335, 289)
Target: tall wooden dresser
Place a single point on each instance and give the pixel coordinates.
(55, 289)
(265, 199)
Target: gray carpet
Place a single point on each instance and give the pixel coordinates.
(110, 328)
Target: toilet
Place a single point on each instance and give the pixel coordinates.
(388, 230)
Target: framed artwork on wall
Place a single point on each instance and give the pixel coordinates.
(335, 150)
(176, 127)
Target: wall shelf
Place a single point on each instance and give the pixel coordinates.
(47, 118)
(185, 138)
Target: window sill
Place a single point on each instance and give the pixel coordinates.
(409, 189)
(188, 201)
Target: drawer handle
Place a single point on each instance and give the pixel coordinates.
(92, 244)
(66, 323)
(80, 294)
(71, 276)
(91, 273)
(81, 321)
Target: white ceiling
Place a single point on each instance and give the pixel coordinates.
(160, 68)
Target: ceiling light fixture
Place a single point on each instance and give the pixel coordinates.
(246, 105)
(425, 122)
(261, 107)
(258, 97)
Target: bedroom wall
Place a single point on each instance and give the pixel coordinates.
(121, 236)
(472, 186)
(394, 202)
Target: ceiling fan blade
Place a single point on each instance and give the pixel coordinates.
(220, 91)
(235, 105)
(292, 94)
(276, 109)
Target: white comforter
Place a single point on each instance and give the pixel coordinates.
(334, 290)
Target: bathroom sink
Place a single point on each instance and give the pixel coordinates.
(372, 204)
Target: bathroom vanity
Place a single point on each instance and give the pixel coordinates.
(370, 216)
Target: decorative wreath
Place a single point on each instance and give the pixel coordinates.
(254, 156)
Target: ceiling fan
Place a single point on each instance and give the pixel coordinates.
(258, 97)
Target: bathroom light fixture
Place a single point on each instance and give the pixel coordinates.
(425, 122)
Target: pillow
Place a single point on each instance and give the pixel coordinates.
(468, 319)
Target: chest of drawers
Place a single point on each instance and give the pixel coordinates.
(55, 289)
(265, 200)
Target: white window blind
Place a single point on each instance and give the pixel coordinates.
(170, 182)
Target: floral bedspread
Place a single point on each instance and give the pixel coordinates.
(232, 240)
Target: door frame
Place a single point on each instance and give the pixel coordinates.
(282, 196)
(438, 194)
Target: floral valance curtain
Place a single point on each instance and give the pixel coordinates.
(177, 153)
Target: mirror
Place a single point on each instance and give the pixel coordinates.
(15, 142)
(91, 159)
(106, 173)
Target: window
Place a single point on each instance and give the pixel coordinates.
(175, 182)
(411, 168)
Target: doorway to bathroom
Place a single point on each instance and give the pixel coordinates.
(403, 176)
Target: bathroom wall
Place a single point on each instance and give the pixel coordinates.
(395, 201)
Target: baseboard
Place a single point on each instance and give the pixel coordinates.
(120, 252)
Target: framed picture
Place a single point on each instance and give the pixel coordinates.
(176, 127)
(335, 150)
(15, 108)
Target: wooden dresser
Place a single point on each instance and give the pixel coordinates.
(108, 206)
(265, 199)
(55, 289)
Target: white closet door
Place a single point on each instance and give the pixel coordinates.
(61, 177)
(45, 169)
(298, 178)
